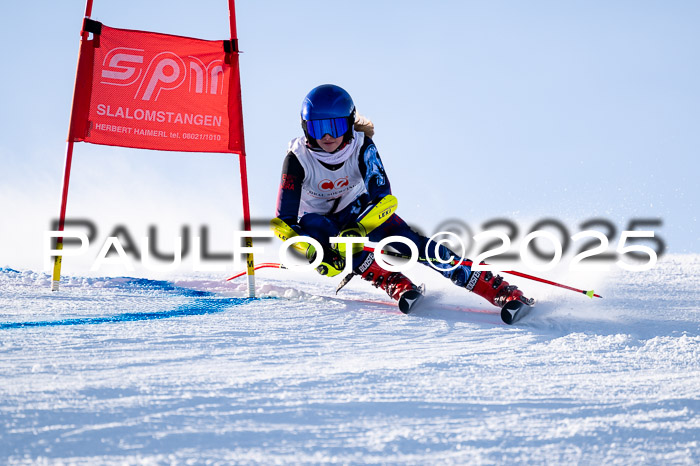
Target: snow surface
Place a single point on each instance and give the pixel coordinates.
(128, 370)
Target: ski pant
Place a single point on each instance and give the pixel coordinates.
(321, 228)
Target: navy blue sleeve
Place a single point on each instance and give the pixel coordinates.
(372, 170)
(289, 195)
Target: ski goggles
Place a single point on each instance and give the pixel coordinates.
(336, 127)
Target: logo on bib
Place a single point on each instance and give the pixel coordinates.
(328, 185)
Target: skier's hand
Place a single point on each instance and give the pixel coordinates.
(333, 263)
(351, 230)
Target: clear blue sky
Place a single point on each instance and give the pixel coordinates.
(483, 109)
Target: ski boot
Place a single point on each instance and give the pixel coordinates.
(498, 292)
(494, 289)
(397, 285)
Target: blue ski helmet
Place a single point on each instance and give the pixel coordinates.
(327, 109)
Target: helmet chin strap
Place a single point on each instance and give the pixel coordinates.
(341, 147)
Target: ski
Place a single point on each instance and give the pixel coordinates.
(515, 310)
(411, 298)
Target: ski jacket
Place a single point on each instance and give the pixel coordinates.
(338, 191)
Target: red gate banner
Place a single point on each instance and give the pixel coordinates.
(156, 91)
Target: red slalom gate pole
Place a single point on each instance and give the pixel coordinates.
(588, 293)
(56, 275)
(250, 261)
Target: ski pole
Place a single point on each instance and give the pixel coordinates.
(588, 293)
(259, 266)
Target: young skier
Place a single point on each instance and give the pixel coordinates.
(332, 177)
